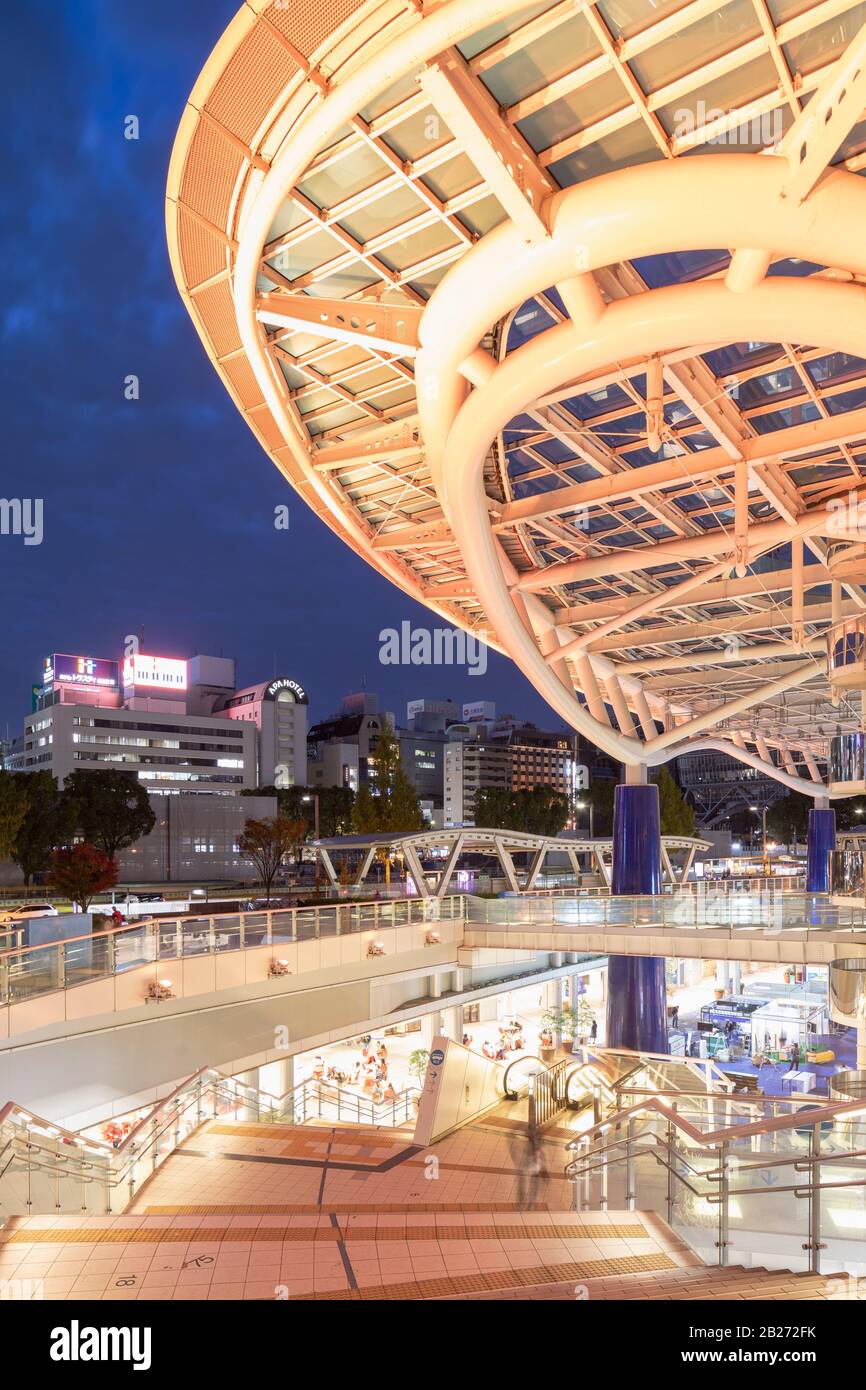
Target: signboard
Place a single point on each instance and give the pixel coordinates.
(89, 671)
(285, 683)
(154, 672)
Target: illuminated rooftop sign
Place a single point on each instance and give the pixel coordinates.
(89, 671)
(154, 672)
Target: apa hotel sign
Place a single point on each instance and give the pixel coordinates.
(276, 687)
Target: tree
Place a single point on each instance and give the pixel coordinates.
(676, 815)
(600, 794)
(364, 812)
(389, 802)
(48, 823)
(82, 872)
(13, 808)
(335, 806)
(788, 818)
(267, 842)
(112, 809)
(536, 811)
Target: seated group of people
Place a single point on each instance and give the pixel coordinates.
(510, 1040)
(369, 1074)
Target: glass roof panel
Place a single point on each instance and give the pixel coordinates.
(846, 400)
(420, 134)
(738, 356)
(482, 216)
(383, 213)
(413, 249)
(344, 177)
(633, 144)
(818, 47)
(598, 402)
(837, 366)
(782, 419)
(697, 44)
(574, 112)
(491, 33)
(625, 18)
(677, 267)
(313, 251)
(561, 50)
(453, 177)
(726, 93)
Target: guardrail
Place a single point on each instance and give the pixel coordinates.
(30, 971)
(701, 1159)
(773, 913)
(45, 1168)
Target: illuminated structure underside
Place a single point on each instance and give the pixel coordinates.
(572, 376)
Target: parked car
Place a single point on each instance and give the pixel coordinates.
(25, 912)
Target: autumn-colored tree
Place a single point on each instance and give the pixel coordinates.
(82, 872)
(267, 842)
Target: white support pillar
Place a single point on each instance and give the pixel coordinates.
(535, 868)
(365, 866)
(329, 867)
(507, 865)
(417, 872)
(450, 865)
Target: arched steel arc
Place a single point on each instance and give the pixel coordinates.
(822, 313)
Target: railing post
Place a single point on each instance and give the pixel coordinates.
(242, 934)
(630, 1193)
(814, 1246)
(211, 935)
(61, 966)
(154, 1144)
(669, 1200)
(724, 1203)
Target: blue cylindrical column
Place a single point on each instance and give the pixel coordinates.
(822, 840)
(637, 1013)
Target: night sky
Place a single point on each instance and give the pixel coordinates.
(158, 513)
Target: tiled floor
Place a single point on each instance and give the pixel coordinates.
(264, 1212)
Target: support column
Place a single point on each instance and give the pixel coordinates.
(637, 997)
(822, 839)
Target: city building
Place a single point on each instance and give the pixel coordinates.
(179, 725)
(194, 840)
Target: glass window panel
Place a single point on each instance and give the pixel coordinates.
(483, 216)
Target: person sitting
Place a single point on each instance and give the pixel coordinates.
(390, 1093)
(467, 1040)
(488, 1049)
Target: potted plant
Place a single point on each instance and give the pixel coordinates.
(546, 1046)
(418, 1063)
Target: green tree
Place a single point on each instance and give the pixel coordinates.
(600, 794)
(364, 812)
(82, 872)
(13, 809)
(112, 809)
(535, 811)
(395, 805)
(788, 818)
(677, 816)
(267, 842)
(493, 808)
(335, 806)
(48, 823)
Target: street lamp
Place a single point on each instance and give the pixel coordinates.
(582, 806)
(762, 811)
(314, 796)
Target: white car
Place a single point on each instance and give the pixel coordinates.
(25, 912)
